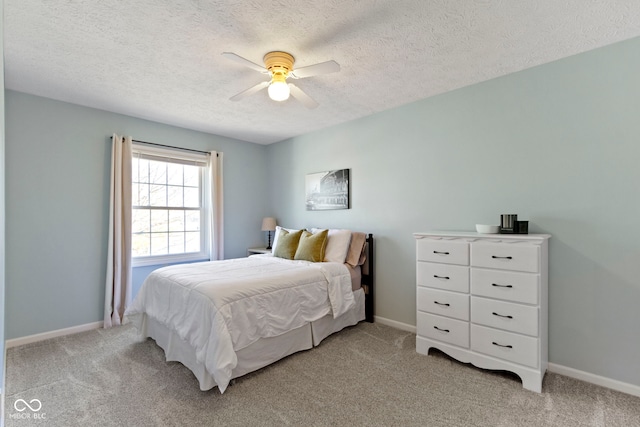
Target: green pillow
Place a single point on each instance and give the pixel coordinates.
(287, 244)
(312, 246)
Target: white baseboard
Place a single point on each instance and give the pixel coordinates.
(595, 379)
(14, 342)
(395, 324)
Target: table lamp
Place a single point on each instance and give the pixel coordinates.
(269, 225)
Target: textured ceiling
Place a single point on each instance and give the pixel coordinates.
(161, 60)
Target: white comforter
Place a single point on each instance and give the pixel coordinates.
(221, 307)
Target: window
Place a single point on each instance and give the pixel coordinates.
(168, 206)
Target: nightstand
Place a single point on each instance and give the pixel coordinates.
(253, 251)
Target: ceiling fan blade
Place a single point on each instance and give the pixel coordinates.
(305, 99)
(315, 70)
(250, 91)
(240, 60)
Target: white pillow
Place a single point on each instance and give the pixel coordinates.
(277, 233)
(337, 244)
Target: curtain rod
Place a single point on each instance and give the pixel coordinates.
(169, 146)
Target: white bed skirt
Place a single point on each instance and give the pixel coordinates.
(259, 354)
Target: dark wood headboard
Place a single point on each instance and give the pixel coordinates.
(367, 281)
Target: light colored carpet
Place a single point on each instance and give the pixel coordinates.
(367, 375)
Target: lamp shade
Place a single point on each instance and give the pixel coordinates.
(268, 224)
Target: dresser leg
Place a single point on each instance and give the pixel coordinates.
(532, 381)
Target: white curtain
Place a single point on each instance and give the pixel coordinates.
(118, 283)
(216, 211)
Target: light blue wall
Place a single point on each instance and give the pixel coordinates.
(57, 175)
(558, 144)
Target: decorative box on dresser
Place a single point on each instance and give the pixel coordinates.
(482, 299)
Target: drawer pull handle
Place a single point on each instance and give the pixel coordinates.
(501, 257)
(502, 315)
(441, 253)
(500, 345)
(501, 286)
(441, 303)
(443, 330)
(441, 277)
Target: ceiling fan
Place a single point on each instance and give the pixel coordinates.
(279, 66)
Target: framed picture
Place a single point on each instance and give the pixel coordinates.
(327, 190)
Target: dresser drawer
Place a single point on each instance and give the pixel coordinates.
(506, 285)
(506, 256)
(443, 329)
(505, 315)
(505, 345)
(443, 251)
(443, 276)
(444, 303)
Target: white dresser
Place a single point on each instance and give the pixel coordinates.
(482, 299)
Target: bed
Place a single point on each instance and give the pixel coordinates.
(224, 319)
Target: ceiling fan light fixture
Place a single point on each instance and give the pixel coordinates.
(279, 66)
(278, 88)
